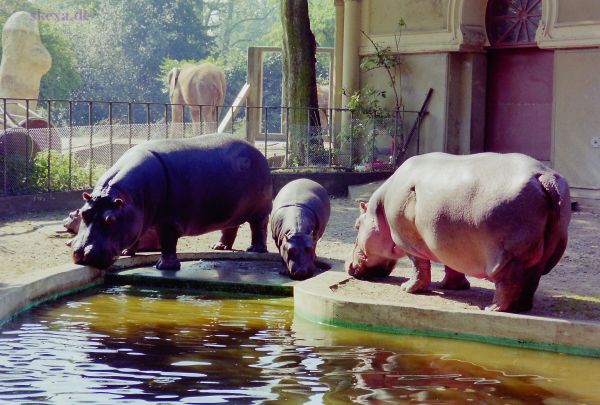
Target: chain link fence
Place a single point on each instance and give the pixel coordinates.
(68, 144)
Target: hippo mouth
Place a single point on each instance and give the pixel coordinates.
(357, 267)
(88, 257)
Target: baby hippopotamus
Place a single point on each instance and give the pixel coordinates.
(182, 187)
(503, 217)
(300, 214)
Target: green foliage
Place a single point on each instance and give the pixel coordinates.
(59, 172)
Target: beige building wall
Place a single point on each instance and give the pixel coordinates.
(577, 118)
(444, 46)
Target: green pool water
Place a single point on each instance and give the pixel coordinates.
(129, 345)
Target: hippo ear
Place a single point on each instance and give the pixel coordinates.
(118, 202)
(363, 207)
(86, 196)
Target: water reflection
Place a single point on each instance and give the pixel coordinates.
(139, 346)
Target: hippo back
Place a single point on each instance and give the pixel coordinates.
(307, 193)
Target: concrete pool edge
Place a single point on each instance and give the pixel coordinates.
(34, 289)
(314, 302)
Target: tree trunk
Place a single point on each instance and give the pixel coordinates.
(300, 83)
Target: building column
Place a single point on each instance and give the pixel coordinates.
(350, 62)
(336, 97)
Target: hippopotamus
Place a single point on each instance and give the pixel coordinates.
(300, 214)
(502, 217)
(148, 242)
(181, 187)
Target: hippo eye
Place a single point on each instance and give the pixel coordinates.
(109, 220)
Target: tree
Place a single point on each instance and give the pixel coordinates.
(299, 78)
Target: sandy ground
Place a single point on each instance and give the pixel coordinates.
(29, 242)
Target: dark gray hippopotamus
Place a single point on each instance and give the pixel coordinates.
(300, 214)
(503, 217)
(148, 242)
(180, 188)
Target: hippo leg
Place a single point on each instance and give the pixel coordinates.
(453, 280)
(511, 285)
(168, 255)
(532, 280)
(227, 238)
(421, 277)
(258, 228)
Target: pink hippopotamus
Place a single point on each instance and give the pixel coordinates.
(502, 217)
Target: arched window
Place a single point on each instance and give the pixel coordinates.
(512, 23)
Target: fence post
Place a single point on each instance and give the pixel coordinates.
(70, 145)
(130, 121)
(266, 131)
(373, 133)
(148, 120)
(351, 136)
(110, 131)
(287, 136)
(27, 144)
(91, 125)
(166, 121)
(330, 130)
(49, 142)
(4, 147)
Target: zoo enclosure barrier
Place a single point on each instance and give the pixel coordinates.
(67, 144)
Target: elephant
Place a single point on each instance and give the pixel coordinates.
(202, 87)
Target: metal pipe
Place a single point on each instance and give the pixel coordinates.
(91, 125)
(110, 133)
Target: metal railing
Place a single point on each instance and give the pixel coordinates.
(68, 144)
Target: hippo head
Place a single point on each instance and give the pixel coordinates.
(369, 258)
(108, 226)
(298, 254)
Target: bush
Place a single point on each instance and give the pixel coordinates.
(59, 172)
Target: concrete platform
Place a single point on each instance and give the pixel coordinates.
(334, 298)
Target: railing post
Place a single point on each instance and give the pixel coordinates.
(201, 120)
(307, 142)
(232, 120)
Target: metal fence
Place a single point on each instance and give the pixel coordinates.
(67, 144)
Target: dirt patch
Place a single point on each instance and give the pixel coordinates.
(30, 242)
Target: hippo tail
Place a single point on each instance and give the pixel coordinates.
(557, 194)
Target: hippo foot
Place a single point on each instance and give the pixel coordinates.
(257, 249)
(168, 264)
(453, 284)
(220, 246)
(414, 286)
(128, 252)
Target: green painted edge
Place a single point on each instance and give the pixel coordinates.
(49, 298)
(201, 285)
(398, 330)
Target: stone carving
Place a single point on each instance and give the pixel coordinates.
(24, 61)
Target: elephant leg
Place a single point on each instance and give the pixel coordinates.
(176, 113)
(196, 120)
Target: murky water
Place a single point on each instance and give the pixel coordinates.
(126, 345)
